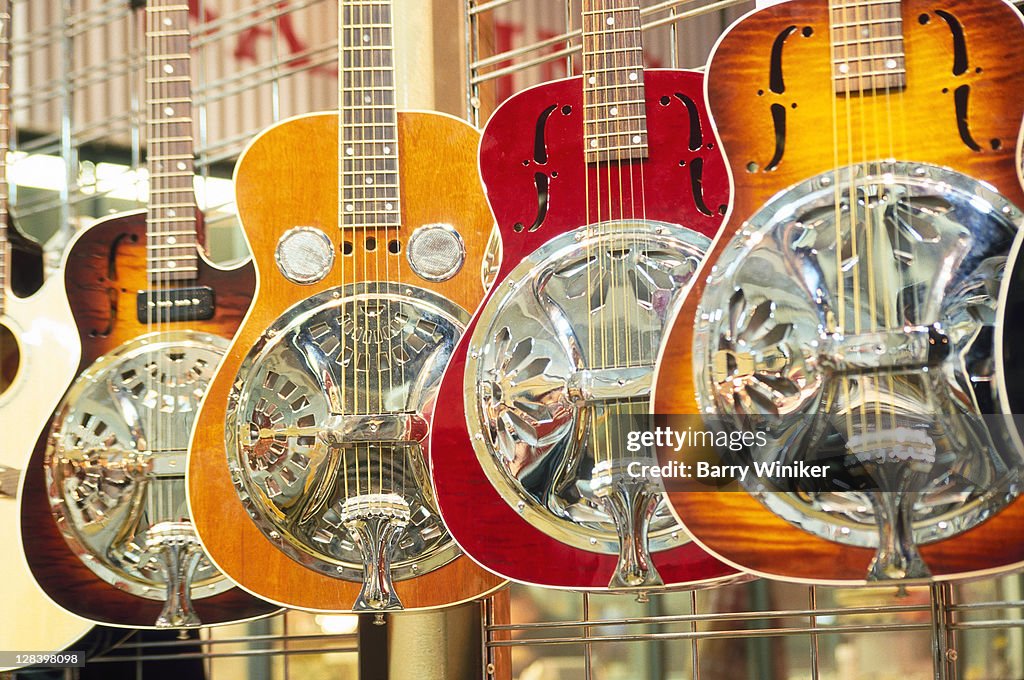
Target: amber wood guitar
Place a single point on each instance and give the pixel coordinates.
(307, 477)
(815, 99)
(153, 315)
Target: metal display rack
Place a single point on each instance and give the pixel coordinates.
(77, 107)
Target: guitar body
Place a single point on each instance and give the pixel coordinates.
(779, 123)
(42, 330)
(532, 162)
(278, 189)
(104, 268)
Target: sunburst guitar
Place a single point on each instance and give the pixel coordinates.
(308, 477)
(39, 352)
(104, 521)
(606, 188)
(848, 311)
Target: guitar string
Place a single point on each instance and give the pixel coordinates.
(345, 161)
(612, 59)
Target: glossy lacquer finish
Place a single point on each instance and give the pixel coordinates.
(770, 91)
(105, 268)
(533, 165)
(48, 352)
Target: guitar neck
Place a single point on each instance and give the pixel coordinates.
(171, 219)
(867, 46)
(368, 143)
(615, 119)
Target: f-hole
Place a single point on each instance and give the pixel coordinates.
(961, 98)
(541, 181)
(776, 80)
(960, 61)
(111, 291)
(697, 186)
(962, 94)
(696, 133)
(779, 121)
(777, 86)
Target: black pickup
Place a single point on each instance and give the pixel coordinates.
(175, 304)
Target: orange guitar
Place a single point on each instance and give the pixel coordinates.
(847, 312)
(308, 476)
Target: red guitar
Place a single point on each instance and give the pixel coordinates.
(605, 189)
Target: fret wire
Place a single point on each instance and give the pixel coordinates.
(869, 57)
(862, 41)
(175, 206)
(153, 58)
(620, 103)
(866, 74)
(868, 22)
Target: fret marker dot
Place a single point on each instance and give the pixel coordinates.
(170, 264)
(349, 151)
(592, 80)
(633, 76)
(172, 213)
(386, 150)
(171, 240)
(891, 63)
(844, 68)
(610, 21)
(349, 207)
(389, 206)
(168, 22)
(168, 68)
(169, 111)
(636, 139)
(367, 99)
(366, 37)
(614, 111)
(593, 143)
(182, 166)
(369, 180)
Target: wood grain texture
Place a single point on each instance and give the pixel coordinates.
(483, 523)
(918, 123)
(104, 269)
(288, 177)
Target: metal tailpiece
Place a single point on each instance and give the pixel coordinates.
(376, 523)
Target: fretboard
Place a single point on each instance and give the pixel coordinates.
(5, 118)
(368, 143)
(615, 117)
(867, 46)
(171, 221)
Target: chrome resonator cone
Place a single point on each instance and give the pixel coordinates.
(559, 372)
(852, 319)
(115, 470)
(325, 428)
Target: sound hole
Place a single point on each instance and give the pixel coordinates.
(10, 358)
